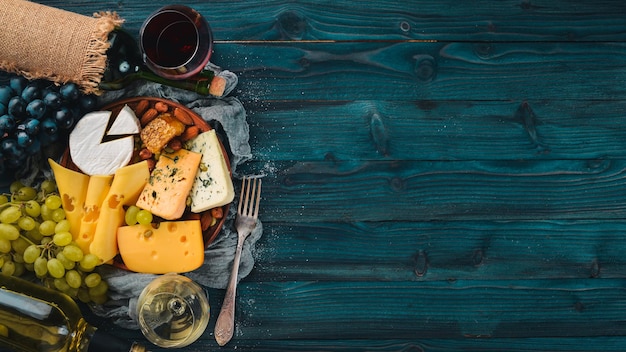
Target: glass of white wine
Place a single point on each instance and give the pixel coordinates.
(173, 311)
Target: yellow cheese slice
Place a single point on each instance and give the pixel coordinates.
(72, 187)
(127, 184)
(98, 188)
(175, 246)
(167, 190)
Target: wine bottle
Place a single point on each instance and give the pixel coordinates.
(125, 65)
(83, 46)
(35, 318)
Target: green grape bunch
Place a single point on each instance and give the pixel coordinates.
(35, 239)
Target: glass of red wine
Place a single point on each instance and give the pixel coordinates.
(176, 42)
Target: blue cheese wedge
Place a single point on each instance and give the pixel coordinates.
(213, 186)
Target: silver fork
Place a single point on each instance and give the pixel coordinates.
(245, 222)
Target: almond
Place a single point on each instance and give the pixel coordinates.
(141, 107)
(183, 116)
(161, 106)
(192, 216)
(206, 219)
(148, 116)
(190, 133)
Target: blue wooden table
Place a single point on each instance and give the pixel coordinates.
(442, 175)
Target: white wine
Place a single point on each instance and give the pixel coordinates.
(35, 318)
(173, 311)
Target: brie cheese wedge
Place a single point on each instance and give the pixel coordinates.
(213, 186)
(125, 123)
(91, 153)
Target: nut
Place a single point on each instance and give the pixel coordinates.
(192, 216)
(145, 153)
(148, 116)
(175, 144)
(151, 164)
(141, 107)
(206, 219)
(183, 116)
(190, 133)
(161, 106)
(217, 213)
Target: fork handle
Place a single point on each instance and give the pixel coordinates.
(225, 325)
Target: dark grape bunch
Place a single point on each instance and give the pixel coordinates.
(35, 114)
(35, 240)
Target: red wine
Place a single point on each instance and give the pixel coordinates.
(176, 42)
(170, 39)
(125, 65)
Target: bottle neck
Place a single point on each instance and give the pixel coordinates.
(84, 333)
(199, 84)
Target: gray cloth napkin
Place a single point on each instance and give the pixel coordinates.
(229, 113)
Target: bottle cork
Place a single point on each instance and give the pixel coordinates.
(44, 42)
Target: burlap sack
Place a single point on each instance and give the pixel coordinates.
(39, 41)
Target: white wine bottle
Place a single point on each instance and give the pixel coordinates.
(35, 318)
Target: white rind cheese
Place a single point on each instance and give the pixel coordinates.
(90, 154)
(213, 186)
(125, 123)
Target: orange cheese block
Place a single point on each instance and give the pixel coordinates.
(166, 192)
(173, 247)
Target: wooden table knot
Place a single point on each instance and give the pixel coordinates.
(425, 68)
(291, 25)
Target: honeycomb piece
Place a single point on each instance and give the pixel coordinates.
(158, 132)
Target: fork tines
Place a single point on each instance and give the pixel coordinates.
(250, 196)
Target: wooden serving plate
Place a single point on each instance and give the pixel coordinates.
(210, 232)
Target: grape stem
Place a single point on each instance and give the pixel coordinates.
(28, 240)
(11, 204)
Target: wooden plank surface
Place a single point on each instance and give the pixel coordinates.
(428, 190)
(439, 175)
(447, 20)
(438, 130)
(427, 71)
(441, 251)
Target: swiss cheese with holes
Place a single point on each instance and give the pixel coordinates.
(175, 246)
